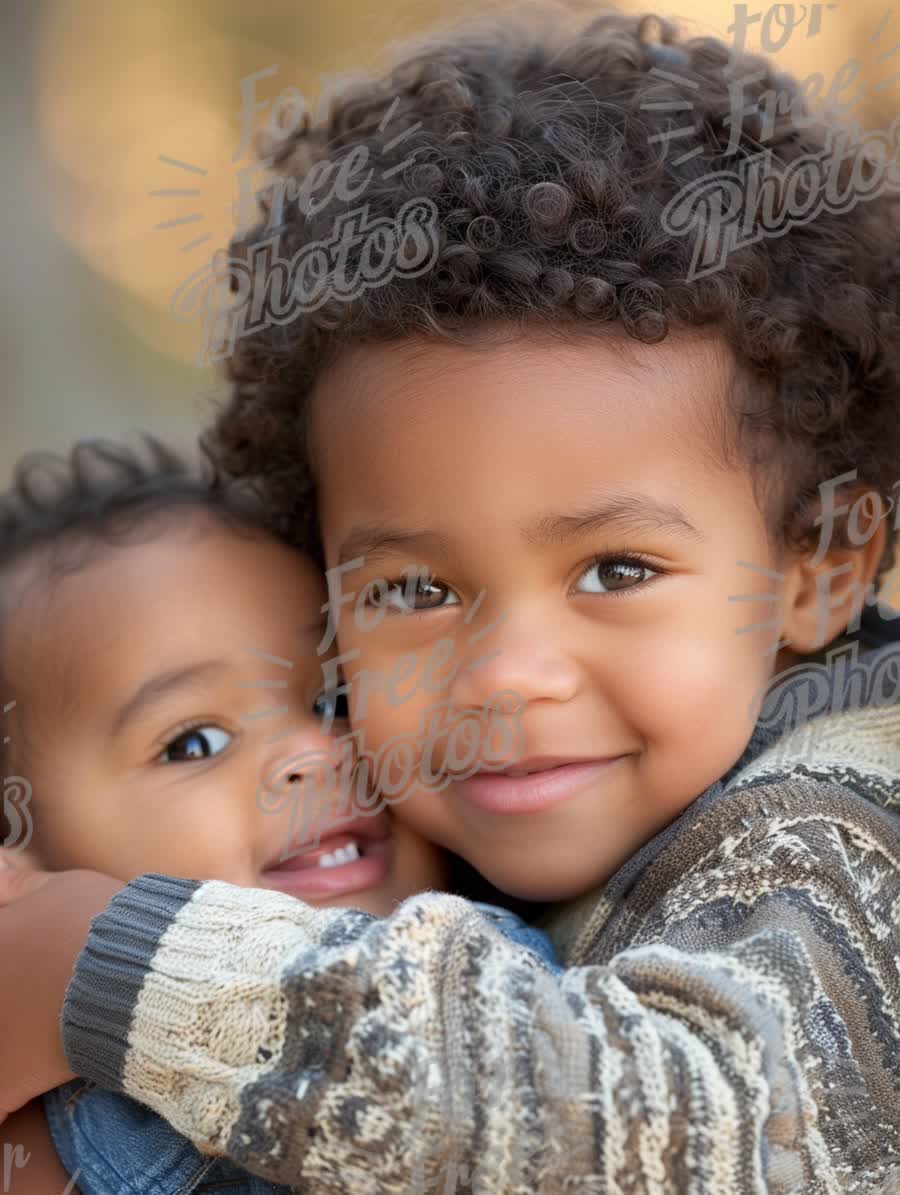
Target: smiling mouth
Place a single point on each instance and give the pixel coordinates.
(534, 785)
(544, 763)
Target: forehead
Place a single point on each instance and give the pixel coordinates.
(422, 416)
(196, 591)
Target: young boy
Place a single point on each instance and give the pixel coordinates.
(637, 493)
(194, 747)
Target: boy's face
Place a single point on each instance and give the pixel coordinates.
(507, 471)
(144, 680)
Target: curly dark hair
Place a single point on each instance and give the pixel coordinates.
(547, 153)
(104, 492)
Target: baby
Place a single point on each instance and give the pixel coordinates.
(174, 750)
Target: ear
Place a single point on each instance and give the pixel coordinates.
(825, 591)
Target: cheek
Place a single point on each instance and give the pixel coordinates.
(694, 698)
(420, 864)
(392, 686)
(386, 706)
(75, 825)
(423, 812)
(129, 824)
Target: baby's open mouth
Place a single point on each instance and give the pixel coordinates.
(336, 851)
(352, 857)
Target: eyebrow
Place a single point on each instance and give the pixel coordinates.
(620, 512)
(157, 688)
(623, 511)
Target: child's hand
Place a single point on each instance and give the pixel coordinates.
(44, 922)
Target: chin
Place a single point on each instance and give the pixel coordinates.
(546, 887)
(377, 903)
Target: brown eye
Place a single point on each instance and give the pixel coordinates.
(419, 593)
(201, 742)
(615, 573)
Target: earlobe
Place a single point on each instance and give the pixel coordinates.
(826, 591)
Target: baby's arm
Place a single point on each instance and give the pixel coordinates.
(44, 922)
(29, 1162)
(726, 1034)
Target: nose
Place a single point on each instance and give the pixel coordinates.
(515, 650)
(305, 783)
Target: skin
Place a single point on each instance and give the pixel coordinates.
(118, 801)
(26, 1138)
(453, 449)
(122, 799)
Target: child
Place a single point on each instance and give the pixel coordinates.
(638, 494)
(149, 751)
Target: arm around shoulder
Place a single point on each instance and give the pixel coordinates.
(730, 1028)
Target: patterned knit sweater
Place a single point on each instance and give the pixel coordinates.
(729, 1021)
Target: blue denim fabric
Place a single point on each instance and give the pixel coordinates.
(521, 932)
(116, 1146)
(119, 1147)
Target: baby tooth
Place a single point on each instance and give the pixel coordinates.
(343, 854)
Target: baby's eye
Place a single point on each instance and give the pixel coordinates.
(419, 593)
(615, 573)
(200, 742)
(331, 705)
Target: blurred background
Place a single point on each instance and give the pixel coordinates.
(107, 108)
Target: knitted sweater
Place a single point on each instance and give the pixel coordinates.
(728, 1023)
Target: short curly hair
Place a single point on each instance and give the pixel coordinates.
(548, 154)
(103, 493)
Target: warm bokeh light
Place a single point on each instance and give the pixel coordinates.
(117, 88)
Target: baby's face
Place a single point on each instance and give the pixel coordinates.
(585, 551)
(168, 694)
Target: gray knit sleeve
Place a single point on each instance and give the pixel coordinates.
(105, 987)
